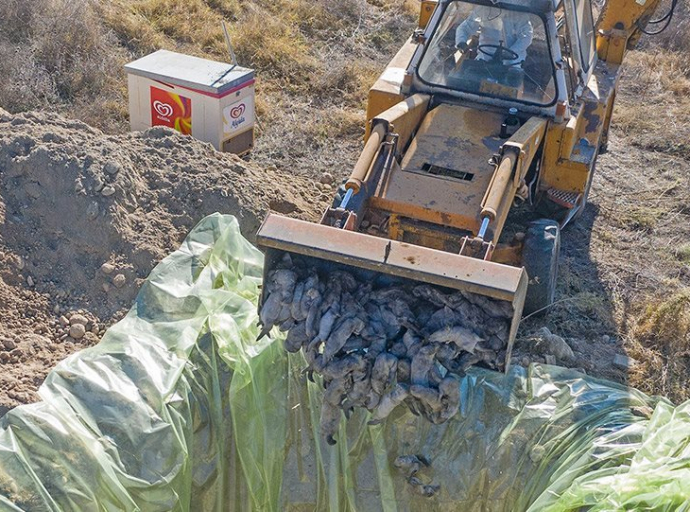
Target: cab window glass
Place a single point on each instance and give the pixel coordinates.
(585, 25)
(486, 50)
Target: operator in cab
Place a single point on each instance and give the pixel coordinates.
(510, 29)
(498, 52)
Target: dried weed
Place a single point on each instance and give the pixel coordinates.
(661, 339)
(654, 104)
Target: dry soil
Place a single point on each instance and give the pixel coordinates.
(85, 216)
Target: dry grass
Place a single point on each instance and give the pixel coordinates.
(53, 52)
(677, 36)
(653, 113)
(61, 54)
(661, 340)
(654, 107)
(683, 253)
(290, 41)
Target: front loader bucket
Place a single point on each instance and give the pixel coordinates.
(329, 247)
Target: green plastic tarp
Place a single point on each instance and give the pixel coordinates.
(180, 408)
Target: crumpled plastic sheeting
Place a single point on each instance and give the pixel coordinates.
(180, 408)
(654, 476)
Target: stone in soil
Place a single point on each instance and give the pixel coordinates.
(623, 362)
(112, 168)
(119, 280)
(107, 268)
(78, 319)
(77, 331)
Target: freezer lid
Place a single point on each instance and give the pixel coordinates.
(194, 73)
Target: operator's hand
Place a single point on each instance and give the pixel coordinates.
(462, 46)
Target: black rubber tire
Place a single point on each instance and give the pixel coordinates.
(540, 259)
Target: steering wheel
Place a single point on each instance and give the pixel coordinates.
(500, 53)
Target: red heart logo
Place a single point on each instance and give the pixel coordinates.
(237, 112)
(163, 109)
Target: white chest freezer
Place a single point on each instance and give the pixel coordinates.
(211, 101)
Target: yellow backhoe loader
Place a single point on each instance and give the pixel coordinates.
(488, 103)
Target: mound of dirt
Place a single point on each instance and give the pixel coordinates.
(84, 217)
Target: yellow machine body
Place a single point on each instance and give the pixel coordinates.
(434, 186)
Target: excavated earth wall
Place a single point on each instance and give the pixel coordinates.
(85, 216)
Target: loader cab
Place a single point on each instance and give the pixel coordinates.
(534, 55)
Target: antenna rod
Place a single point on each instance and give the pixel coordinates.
(227, 41)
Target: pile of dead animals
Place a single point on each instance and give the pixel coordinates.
(379, 347)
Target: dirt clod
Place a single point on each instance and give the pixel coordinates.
(92, 210)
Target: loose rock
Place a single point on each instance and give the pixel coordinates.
(119, 280)
(112, 168)
(107, 268)
(77, 331)
(623, 362)
(78, 319)
(98, 184)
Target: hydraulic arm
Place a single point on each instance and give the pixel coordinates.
(621, 25)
